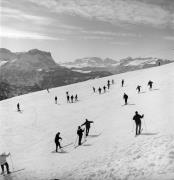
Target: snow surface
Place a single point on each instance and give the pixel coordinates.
(112, 151)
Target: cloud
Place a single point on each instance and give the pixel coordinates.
(113, 11)
(12, 33)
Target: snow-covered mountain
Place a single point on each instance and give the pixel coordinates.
(34, 70)
(111, 151)
(113, 66)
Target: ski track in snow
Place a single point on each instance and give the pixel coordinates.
(112, 151)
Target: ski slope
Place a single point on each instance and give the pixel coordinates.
(112, 151)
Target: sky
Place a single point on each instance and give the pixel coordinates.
(72, 29)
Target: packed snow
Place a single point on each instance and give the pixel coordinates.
(111, 151)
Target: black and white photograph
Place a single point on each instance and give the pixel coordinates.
(87, 89)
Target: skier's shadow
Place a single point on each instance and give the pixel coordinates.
(94, 135)
(155, 89)
(87, 144)
(59, 152)
(148, 134)
(142, 92)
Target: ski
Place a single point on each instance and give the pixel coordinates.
(15, 171)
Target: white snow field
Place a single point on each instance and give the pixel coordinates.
(112, 152)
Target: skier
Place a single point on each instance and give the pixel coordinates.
(80, 134)
(137, 119)
(94, 89)
(76, 97)
(150, 84)
(18, 107)
(48, 90)
(67, 97)
(125, 97)
(122, 82)
(104, 88)
(99, 90)
(112, 81)
(138, 88)
(3, 162)
(108, 84)
(55, 99)
(87, 124)
(72, 97)
(57, 141)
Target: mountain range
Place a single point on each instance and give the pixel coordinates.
(24, 72)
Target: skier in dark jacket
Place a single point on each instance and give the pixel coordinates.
(80, 134)
(76, 97)
(104, 88)
(72, 98)
(94, 89)
(57, 141)
(108, 84)
(99, 90)
(138, 88)
(122, 82)
(87, 124)
(125, 97)
(137, 119)
(150, 84)
(18, 107)
(68, 99)
(55, 99)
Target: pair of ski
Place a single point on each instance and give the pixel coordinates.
(15, 171)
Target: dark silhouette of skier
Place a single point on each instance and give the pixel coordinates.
(57, 141)
(68, 98)
(108, 84)
(76, 97)
(48, 90)
(104, 88)
(150, 84)
(99, 90)
(137, 119)
(112, 81)
(72, 98)
(55, 99)
(125, 97)
(87, 124)
(122, 82)
(80, 134)
(18, 107)
(3, 162)
(138, 88)
(94, 89)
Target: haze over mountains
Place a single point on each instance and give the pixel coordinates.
(24, 72)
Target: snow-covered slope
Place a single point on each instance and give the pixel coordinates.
(112, 151)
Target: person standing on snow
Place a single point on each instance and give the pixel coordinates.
(87, 124)
(94, 89)
(57, 141)
(150, 84)
(125, 97)
(122, 82)
(18, 107)
(108, 84)
(3, 162)
(55, 99)
(112, 81)
(137, 119)
(80, 135)
(104, 88)
(76, 98)
(138, 88)
(72, 98)
(99, 90)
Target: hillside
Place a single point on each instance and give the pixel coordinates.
(112, 151)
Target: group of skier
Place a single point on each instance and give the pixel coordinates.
(104, 87)
(80, 133)
(71, 98)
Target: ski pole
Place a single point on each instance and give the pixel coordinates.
(145, 125)
(12, 162)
